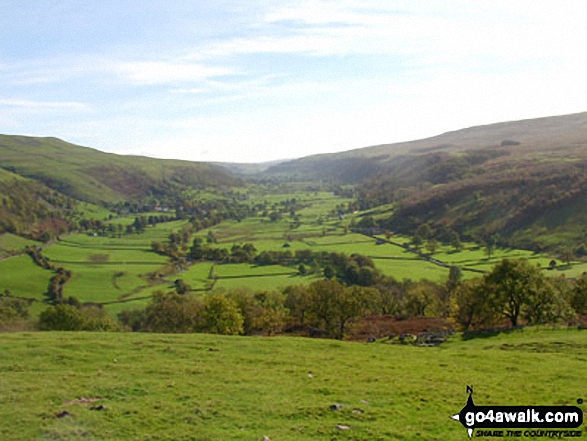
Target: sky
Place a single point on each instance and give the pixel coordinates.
(258, 80)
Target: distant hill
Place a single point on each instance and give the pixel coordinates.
(248, 169)
(93, 176)
(521, 183)
(547, 137)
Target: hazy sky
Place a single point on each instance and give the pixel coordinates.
(255, 80)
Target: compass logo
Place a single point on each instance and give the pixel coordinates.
(490, 418)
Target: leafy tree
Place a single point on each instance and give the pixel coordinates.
(417, 241)
(455, 275)
(419, 298)
(432, 245)
(578, 299)
(64, 317)
(181, 287)
(269, 312)
(61, 318)
(391, 296)
(132, 319)
(328, 272)
(425, 231)
(333, 305)
(222, 316)
(455, 241)
(299, 302)
(513, 283)
(473, 308)
(12, 309)
(173, 313)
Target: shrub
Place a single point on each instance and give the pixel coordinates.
(64, 317)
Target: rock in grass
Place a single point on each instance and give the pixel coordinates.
(63, 414)
(342, 427)
(336, 406)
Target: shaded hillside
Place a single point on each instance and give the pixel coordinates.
(529, 190)
(90, 175)
(547, 137)
(31, 208)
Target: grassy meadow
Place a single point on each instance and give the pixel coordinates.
(204, 387)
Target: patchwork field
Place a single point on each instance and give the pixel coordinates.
(115, 269)
(114, 386)
(10, 244)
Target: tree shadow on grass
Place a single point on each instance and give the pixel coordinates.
(490, 332)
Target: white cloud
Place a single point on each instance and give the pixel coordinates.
(163, 72)
(29, 104)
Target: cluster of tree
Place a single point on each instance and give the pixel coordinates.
(176, 248)
(72, 316)
(12, 310)
(326, 307)
(58, 281)
(176, 313)
(56, 285)
(514, 291)
(327, 304)
(36, 253)
(352, 270)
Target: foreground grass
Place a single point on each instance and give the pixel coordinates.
(203, 387)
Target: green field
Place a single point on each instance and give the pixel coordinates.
(11, 244)
(115, 269)
(203, 387)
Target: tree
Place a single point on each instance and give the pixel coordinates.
(222, 316)
(173, 313)
(60, 318)
(65, 317)
(328, 272)
(333, 305)
(511, 284)
(298, 301)
(455, 241)
(455, 274)
(181, 287)
(270, 314)
(12, 309)
(473, 308)
(432, 245)
(425, 231)
(578, 299)
(567, 255)
(489, 246)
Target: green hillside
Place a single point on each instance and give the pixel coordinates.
(114, 386)
(93, 176)
(30, 207)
